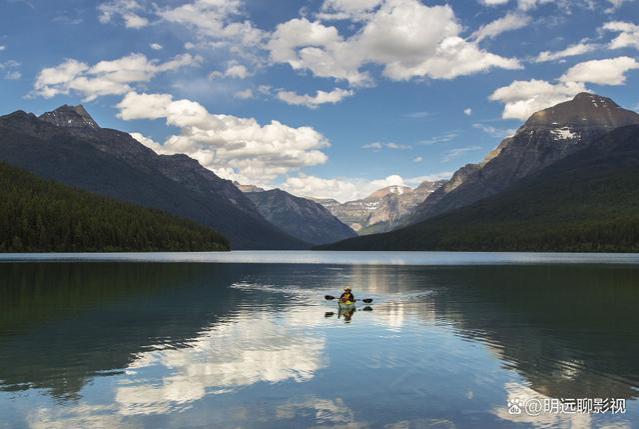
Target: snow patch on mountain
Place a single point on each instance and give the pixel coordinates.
(564, 133)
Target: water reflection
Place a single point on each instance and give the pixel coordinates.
(173, 345)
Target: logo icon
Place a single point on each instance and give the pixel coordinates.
(514, 406)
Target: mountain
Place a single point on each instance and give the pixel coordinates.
(66, 145)
(300, 217)
(547, 136)
(248, 188)
(70, 116)
(381, 210)
(44, 216)
(585, 202)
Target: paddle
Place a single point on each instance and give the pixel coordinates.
(331, 297)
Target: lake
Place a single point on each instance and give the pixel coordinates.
(247, 340)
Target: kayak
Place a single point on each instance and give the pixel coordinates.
(348, 305)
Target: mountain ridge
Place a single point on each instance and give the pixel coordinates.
(112, 163)
(300, 217)
(546, 137)
(585, 202)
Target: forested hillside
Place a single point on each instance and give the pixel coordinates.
(37, 215)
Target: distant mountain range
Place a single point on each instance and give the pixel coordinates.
(523, 196)
(566, 181)
(299, 217)
(383, 209)
(68, 146)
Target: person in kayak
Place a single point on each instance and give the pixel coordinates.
(347, 296)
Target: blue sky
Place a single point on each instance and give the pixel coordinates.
(410, 89)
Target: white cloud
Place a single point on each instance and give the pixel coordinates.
(2, 47)
(233, 71)
(628, 34)
(245, 94)
(156, 46)
(468, 111)
(523, 98)
(144, 106)
(314, 101)
(148, 142)
(444, 138)
(615, 4)
(521, 4)
(356, 10)
(316, 187)
(106, 77)
(128, 10)
(510, 22)
(494, 131)
(570, 51)
(11, 68)
(215, 19)
(418, 159)
(377, 146)
(407, 38)
(494, 2)
(457, 152)
(374, 146)
(13, 75)
(233, 147)
(611, 71)
(349, 188)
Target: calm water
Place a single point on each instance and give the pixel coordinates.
(248, 345)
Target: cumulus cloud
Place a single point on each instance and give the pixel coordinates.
(220, 20)
(148, 142)
(468, 111)
(245, 94)
(233, 71)
(350, 188)
(523, 98)
(611, 71)
(106, 77)
(407, 38)
(233, 147)
(128, 10)
(156, 46)
(628, 36)
(570, 51)
(510, 22)
(314, 101)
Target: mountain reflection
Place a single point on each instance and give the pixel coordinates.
(170, 335)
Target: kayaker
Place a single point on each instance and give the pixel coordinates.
(347, 296)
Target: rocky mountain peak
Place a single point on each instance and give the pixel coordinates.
(70, 117)
(584, 111)
(548, 136)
